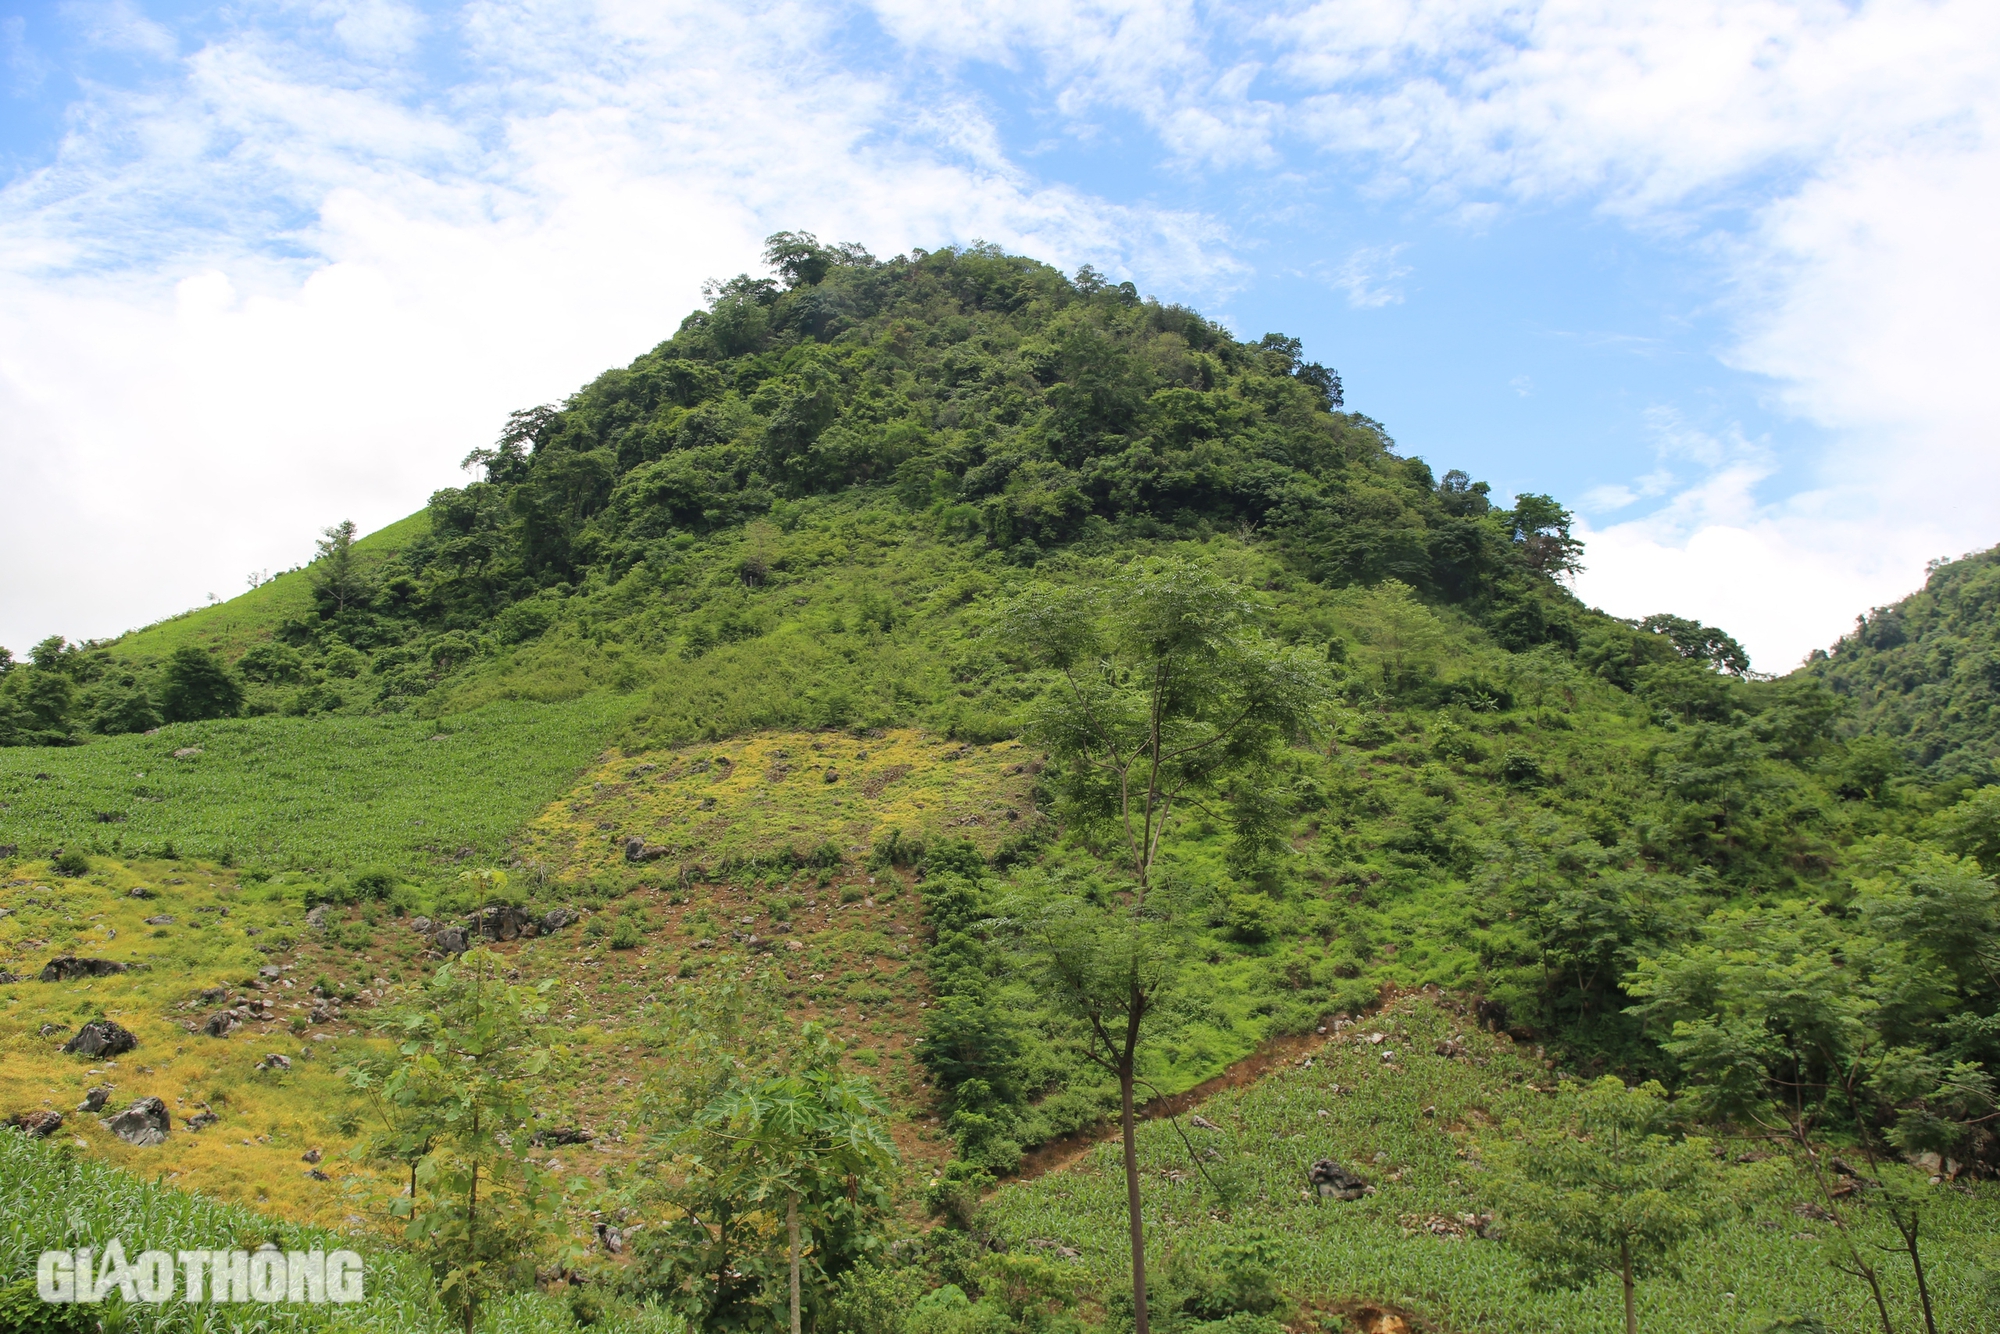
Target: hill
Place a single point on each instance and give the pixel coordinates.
(1924, 673)
(785, 666)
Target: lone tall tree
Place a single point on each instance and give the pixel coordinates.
(337, 581)
(1165, 696)
(1109, 968)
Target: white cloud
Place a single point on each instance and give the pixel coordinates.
(280, 293)
(117, 25)
(1370, 276)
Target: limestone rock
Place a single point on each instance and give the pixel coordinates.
(503, 921)
(1333, 1182)
(100, 1037)
(68, 968)
(145, 1123)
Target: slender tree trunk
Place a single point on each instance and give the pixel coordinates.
(1625, 1273)
(472, 1246)
(1801, 1135)
(1140, 1324)
(1917, 1263)
(792, 1229)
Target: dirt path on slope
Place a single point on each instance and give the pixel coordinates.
(1057, 1154)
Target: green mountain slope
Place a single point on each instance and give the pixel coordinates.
(1925, 672)
(782, 552)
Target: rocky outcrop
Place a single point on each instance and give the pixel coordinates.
(68, 968)
(145, 1123)
(38, 1124)
(1331, 1181)
(558, 1138)
(639, 850)
(101, 1037)
(503, 921)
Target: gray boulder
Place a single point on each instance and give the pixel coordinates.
(450, 940)
(93, 1101)
(275, 1061)
(638, 850)
(220, 1023)
(101, 1037)
(68, 968)
(555, 919)
(145, 1123)
(1331, 1181)
(503, 921)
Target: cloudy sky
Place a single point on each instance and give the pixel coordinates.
(1717, 273)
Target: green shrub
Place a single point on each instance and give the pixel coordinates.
(71, 863)
(625, 936)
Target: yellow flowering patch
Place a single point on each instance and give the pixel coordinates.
(198, 929)
(707, 808)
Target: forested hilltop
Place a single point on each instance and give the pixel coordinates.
(1063, 704)
(1924, 673)
(1011, 407)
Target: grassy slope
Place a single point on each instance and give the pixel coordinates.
(330, 792)
(1412, 1126)
(248, 619)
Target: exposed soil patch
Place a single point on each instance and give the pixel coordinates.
(1057, 1154)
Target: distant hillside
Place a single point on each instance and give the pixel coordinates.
(1925, 672)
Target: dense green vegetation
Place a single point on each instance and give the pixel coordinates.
(1924, 673)
(1316, 726)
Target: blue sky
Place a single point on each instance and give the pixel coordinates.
(1715, 274)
